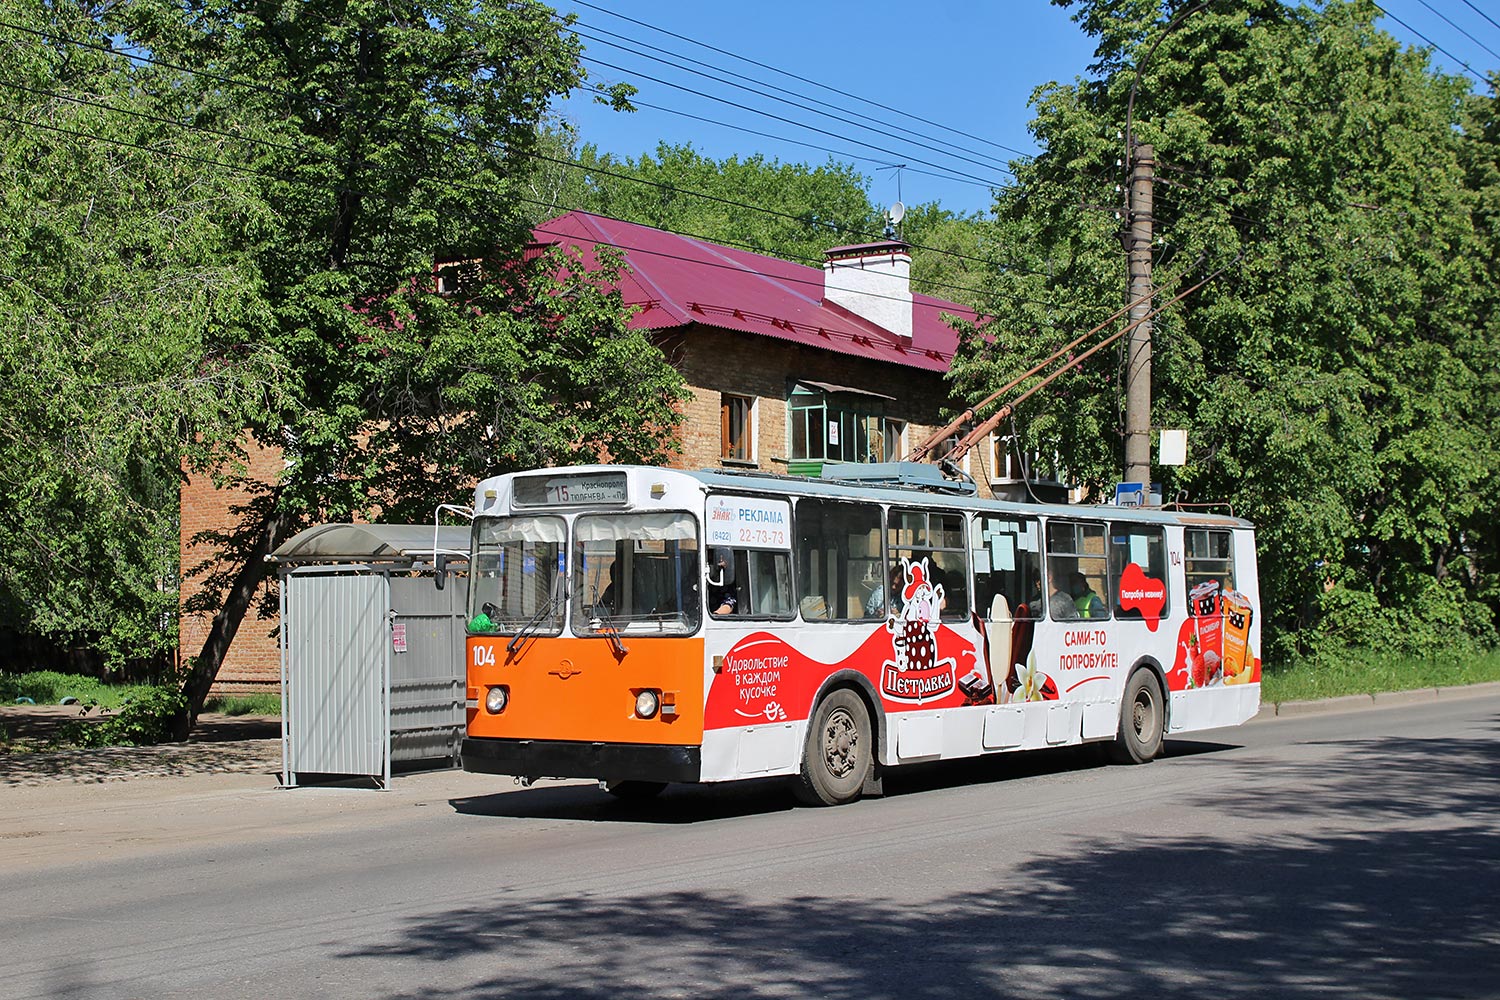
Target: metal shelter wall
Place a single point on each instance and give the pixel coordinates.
(335, 674)
(427, 682)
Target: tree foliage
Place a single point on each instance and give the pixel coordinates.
(124, 306)
(339, 150)
(794, 211)
(1338, 379)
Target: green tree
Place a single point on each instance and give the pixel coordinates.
(397, 135)
(805, 208)
(1335, 380)
(123, 310)
(789, 210)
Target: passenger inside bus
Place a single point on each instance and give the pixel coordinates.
(723, 592)
(1087, 603)
(1062, 605)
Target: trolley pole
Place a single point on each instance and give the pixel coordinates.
(1138, 351)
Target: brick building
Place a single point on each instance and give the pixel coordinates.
(789, 365)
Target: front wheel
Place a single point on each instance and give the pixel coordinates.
(1142, 720)
(839, 753)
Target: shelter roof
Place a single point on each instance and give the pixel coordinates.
(385, 543)
(675, 280)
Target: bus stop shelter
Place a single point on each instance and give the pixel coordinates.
(372, 645)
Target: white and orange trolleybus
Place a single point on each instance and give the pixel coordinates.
(642, 626)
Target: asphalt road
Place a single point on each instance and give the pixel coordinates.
(1353, 855)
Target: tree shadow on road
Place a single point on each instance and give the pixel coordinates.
(1400, 902)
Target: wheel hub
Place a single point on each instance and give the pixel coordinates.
(840, 744)
(1143, 714)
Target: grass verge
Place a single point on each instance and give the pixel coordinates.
(48, 687)
(1365, 671)
(246, 704)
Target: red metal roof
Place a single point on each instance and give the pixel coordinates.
(677, 280)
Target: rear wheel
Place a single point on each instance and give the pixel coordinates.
(1142, 720)
(839, 752)
(635, 791)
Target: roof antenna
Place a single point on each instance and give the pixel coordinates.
(897, 211)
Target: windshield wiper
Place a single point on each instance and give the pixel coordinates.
(533, 625)
(609, 629)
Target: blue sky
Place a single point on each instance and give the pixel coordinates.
(968, 65)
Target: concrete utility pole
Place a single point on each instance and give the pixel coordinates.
(1138, 352)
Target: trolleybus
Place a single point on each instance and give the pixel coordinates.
(642, 626)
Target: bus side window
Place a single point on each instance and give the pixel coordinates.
(1007, 557)
(1078, 584)
(761, 583)
(938, 538)
(1144, 546)
(838, 545)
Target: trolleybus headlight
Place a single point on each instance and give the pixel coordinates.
(646, 704)
(496, 698)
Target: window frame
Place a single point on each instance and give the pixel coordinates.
(1159, 533)
(552, 625)
(748, 432)
(861, 420)
(580, 608)
(1190, 573)
(977, 543)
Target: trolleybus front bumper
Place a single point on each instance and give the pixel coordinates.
(574, 759)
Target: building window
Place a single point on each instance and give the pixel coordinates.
(1014, 464)
(736, 428)
(840, 425)
(893, 443)
(1008, 466)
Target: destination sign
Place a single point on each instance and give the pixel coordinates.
(583, 490)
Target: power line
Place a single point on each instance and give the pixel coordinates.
(957, 179)
(801, 79)
(1482, 14)
(1459, 29)
(1467, 68)
(444, 132)
(781, 118)
(776, 213)
(843, 114)
(287, 178)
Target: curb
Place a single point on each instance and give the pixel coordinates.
(1381, 699)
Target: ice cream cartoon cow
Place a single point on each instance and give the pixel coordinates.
(916, 673)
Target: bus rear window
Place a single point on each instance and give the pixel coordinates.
(1209, 559)
(636, 574)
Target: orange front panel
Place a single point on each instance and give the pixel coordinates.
(577, 689)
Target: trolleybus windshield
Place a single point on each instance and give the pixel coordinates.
(636, 574)
(516, 576)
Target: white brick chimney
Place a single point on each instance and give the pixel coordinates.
(873, 281)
